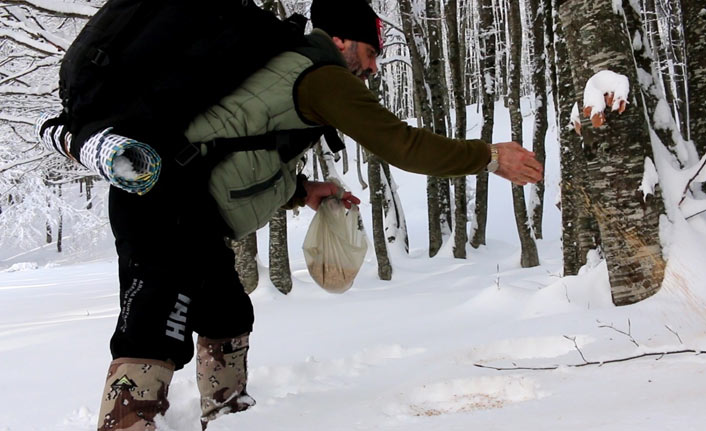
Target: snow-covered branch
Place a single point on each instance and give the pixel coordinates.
(58, 7)
(697, 177)
(31, 27)
(17, 163)
(43, 63)
(39, 90)
(15, 119)
(27, 41)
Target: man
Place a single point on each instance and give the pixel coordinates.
(176, 273)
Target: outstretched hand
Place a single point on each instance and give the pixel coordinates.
(518, 164)
(316, 191)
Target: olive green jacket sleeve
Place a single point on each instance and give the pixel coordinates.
(333, 96)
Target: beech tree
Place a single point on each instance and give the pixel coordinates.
(529, 256)
(617, 153)
(487, 42)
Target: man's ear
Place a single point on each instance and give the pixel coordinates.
(339, 43)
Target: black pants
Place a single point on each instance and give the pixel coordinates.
(177, 275)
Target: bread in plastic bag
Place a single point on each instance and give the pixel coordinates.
(335, 246)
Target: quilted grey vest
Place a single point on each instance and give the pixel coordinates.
(250, 186)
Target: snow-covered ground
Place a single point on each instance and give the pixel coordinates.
(395, 355)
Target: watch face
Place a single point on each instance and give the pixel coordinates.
(493, 166)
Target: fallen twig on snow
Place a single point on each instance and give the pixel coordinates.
(598, 363)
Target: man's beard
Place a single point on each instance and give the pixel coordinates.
(351, 57)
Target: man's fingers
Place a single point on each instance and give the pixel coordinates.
(348, 196)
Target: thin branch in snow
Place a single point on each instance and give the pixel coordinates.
(692, 179)
(675, 333)
(627, 334)
(659, 355)
(694, 215)
(576, 346)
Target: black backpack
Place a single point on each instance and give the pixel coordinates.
(148, 67)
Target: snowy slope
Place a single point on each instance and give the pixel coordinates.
(397, 355)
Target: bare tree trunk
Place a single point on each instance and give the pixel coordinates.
(319, 152)
(280, 272)
(695, 35)
(579, 229)
(434, 214)
(629, 221)
(676, 48)
(395, 211)
(461, 218)
(651, 86)
(378, 203)
(456, 65)
(529, 256)
(435, 76)
(89, 192)
(549, 38)
(246, 261)
(487, 43)
(502, 47)
(60, 227)
(537, 12)
(376, 200)
(358, 164)
(413, 33)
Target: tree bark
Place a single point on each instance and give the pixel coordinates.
(461, 218)
(358, 164)
(378, 204)
(435, 77)
(616, 153)
(456, 65)
(579, 228)
(246, 261)
(434, 214)
(394, 211)
(376, 201)
(280, 272)
(60, 227)
(89, 192)
(539, 81)
(414, 34)
(529, 257)
(695, 35)
(487, 43)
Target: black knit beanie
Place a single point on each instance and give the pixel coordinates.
(348, 19)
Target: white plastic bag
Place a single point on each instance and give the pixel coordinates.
(335, 246)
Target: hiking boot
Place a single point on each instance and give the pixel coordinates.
(221, 376)
(135, 392)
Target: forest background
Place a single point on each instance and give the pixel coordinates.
(627, 194)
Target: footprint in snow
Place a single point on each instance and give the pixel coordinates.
(465, 395)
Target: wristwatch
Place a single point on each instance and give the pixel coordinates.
(493, 165)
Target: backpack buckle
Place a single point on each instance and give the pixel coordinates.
(100, 58)
(187, 154)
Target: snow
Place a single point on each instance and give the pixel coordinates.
(401, 354)
(605, 82)
(662, 118)
(650, 179)
(123, 168)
